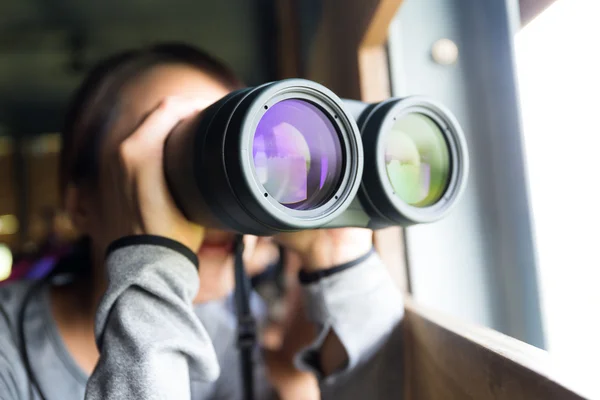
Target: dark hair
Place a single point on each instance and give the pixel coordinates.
(94, 108)
(95, 104)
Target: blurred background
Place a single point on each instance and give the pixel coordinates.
(520, 253)
(47, 46)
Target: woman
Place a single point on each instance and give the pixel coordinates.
(131, 314)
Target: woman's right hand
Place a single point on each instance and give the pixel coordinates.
(134, 194)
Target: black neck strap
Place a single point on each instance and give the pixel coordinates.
(246, 322)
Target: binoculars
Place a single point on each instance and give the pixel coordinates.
(291, 155)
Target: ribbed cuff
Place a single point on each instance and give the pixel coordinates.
(315, 276)
(136, 240)
(361, 305)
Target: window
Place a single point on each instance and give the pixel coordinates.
(479, 263)
(558, 70)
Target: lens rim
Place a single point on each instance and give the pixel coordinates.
(322, 195)
(350, 142)
(376, 124)
(384, 142)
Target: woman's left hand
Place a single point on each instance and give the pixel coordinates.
(326, 248)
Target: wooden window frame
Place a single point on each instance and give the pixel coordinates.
(443, 358)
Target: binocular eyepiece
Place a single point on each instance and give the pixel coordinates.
(291, 155)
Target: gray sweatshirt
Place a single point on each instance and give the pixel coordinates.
(154, 345)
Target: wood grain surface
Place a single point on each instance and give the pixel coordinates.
(451, 360)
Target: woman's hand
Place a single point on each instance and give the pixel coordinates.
(133, 188)
(259, 253)
(326, 248)
(323, 249)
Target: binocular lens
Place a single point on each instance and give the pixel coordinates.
(417, 160)
(280, 157)
(297, 154)
(289, 155)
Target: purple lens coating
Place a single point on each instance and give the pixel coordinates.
(297, 154)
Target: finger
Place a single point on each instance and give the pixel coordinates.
(297, 241)
(266, 252)
(250, 242)
(142, 152)
(157, 126)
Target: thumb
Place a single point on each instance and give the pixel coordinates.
(250, 242)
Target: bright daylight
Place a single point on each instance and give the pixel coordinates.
(558, 61)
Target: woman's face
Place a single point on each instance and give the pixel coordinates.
(141, 96)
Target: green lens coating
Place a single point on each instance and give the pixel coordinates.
(417, 160)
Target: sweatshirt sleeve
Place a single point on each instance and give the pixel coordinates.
(13, 386)
(150, 341)
(362, 305)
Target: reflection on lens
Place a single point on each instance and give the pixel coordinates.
(417, 160)
(297, 154)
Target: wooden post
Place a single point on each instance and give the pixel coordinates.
(349, 56)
